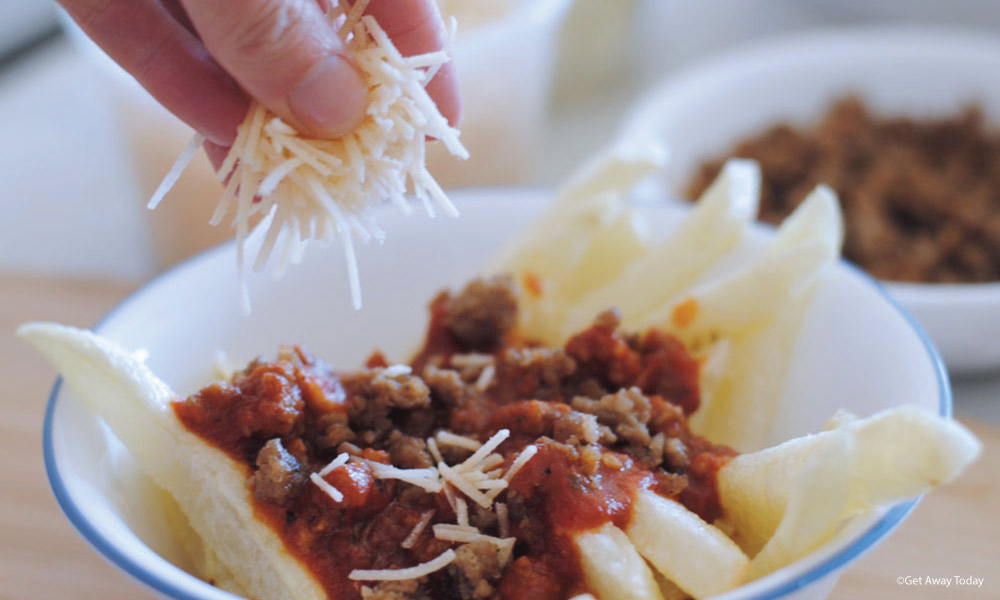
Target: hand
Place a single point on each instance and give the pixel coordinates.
(204, 59)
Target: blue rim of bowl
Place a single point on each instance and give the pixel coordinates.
(889, 521)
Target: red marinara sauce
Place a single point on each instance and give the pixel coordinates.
(606, 414)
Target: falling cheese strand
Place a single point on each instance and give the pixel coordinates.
(324, 189)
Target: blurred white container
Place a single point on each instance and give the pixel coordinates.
(505, 58)
(914, 71)
(595, 49)
(505, 68)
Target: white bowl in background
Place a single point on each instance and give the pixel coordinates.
(914, 71)
(505, 71)
(838, 363)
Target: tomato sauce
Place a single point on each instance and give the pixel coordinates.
(592, 455)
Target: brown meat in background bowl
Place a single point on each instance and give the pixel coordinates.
(921, 197)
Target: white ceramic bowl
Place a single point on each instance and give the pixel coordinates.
(702, 111)
(182, 317)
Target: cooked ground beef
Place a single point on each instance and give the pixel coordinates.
(334, 430)
(477, 568)
(482, 313)
(577, 428)
(376, 386)
(482, 518)
(626, 412)
(537, 372)
(675, 452)
(394, 590)
(279, 476)
(921, 198)
(372, 394)
(446, 385)
(408, 452)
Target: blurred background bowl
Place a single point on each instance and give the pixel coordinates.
(916, 72)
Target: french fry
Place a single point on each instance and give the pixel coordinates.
(668, 588)
(612, 567)
(585, 237)
(811, 518)
(714, 226)
(751, 297)
(594, 195)
(694, 555)
(209, 487)
(737, 409)
(758, 311)
(787, 500)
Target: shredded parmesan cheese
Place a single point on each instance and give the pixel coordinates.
(494, 473)
(459, 441)
(491, 484)
(493, 460)
(427, 479)
(397, 370)
(477, 457)
(471, 360)
(485, 378)
(326, 487)
(503, 519)
(463, 485)
(464, 535)
(461, 512)
(421, 570)
(417, 529)
(450, 497)
(519, 462)
(175, 171)
(340, 461)
(432, 447)
(301, 188)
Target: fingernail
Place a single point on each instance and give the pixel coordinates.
(331, 99)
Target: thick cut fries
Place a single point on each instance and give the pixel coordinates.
(696, 556)
(586, 236)
(612, 567)
(787, 500)
(714, 227)
(757, 313)
(209, 486)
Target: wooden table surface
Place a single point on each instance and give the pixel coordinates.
(954, 531)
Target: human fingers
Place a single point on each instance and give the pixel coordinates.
(168, 60)
(287, 56)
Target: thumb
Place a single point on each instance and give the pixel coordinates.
(287, 56)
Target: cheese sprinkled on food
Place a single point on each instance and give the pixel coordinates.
(340, 461)
(421, 570)
(419, 528)
(326, 487)
(460, 441)
(300, 188)
(479, 455)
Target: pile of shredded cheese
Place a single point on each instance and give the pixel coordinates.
(325, 189)
(480, 478)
